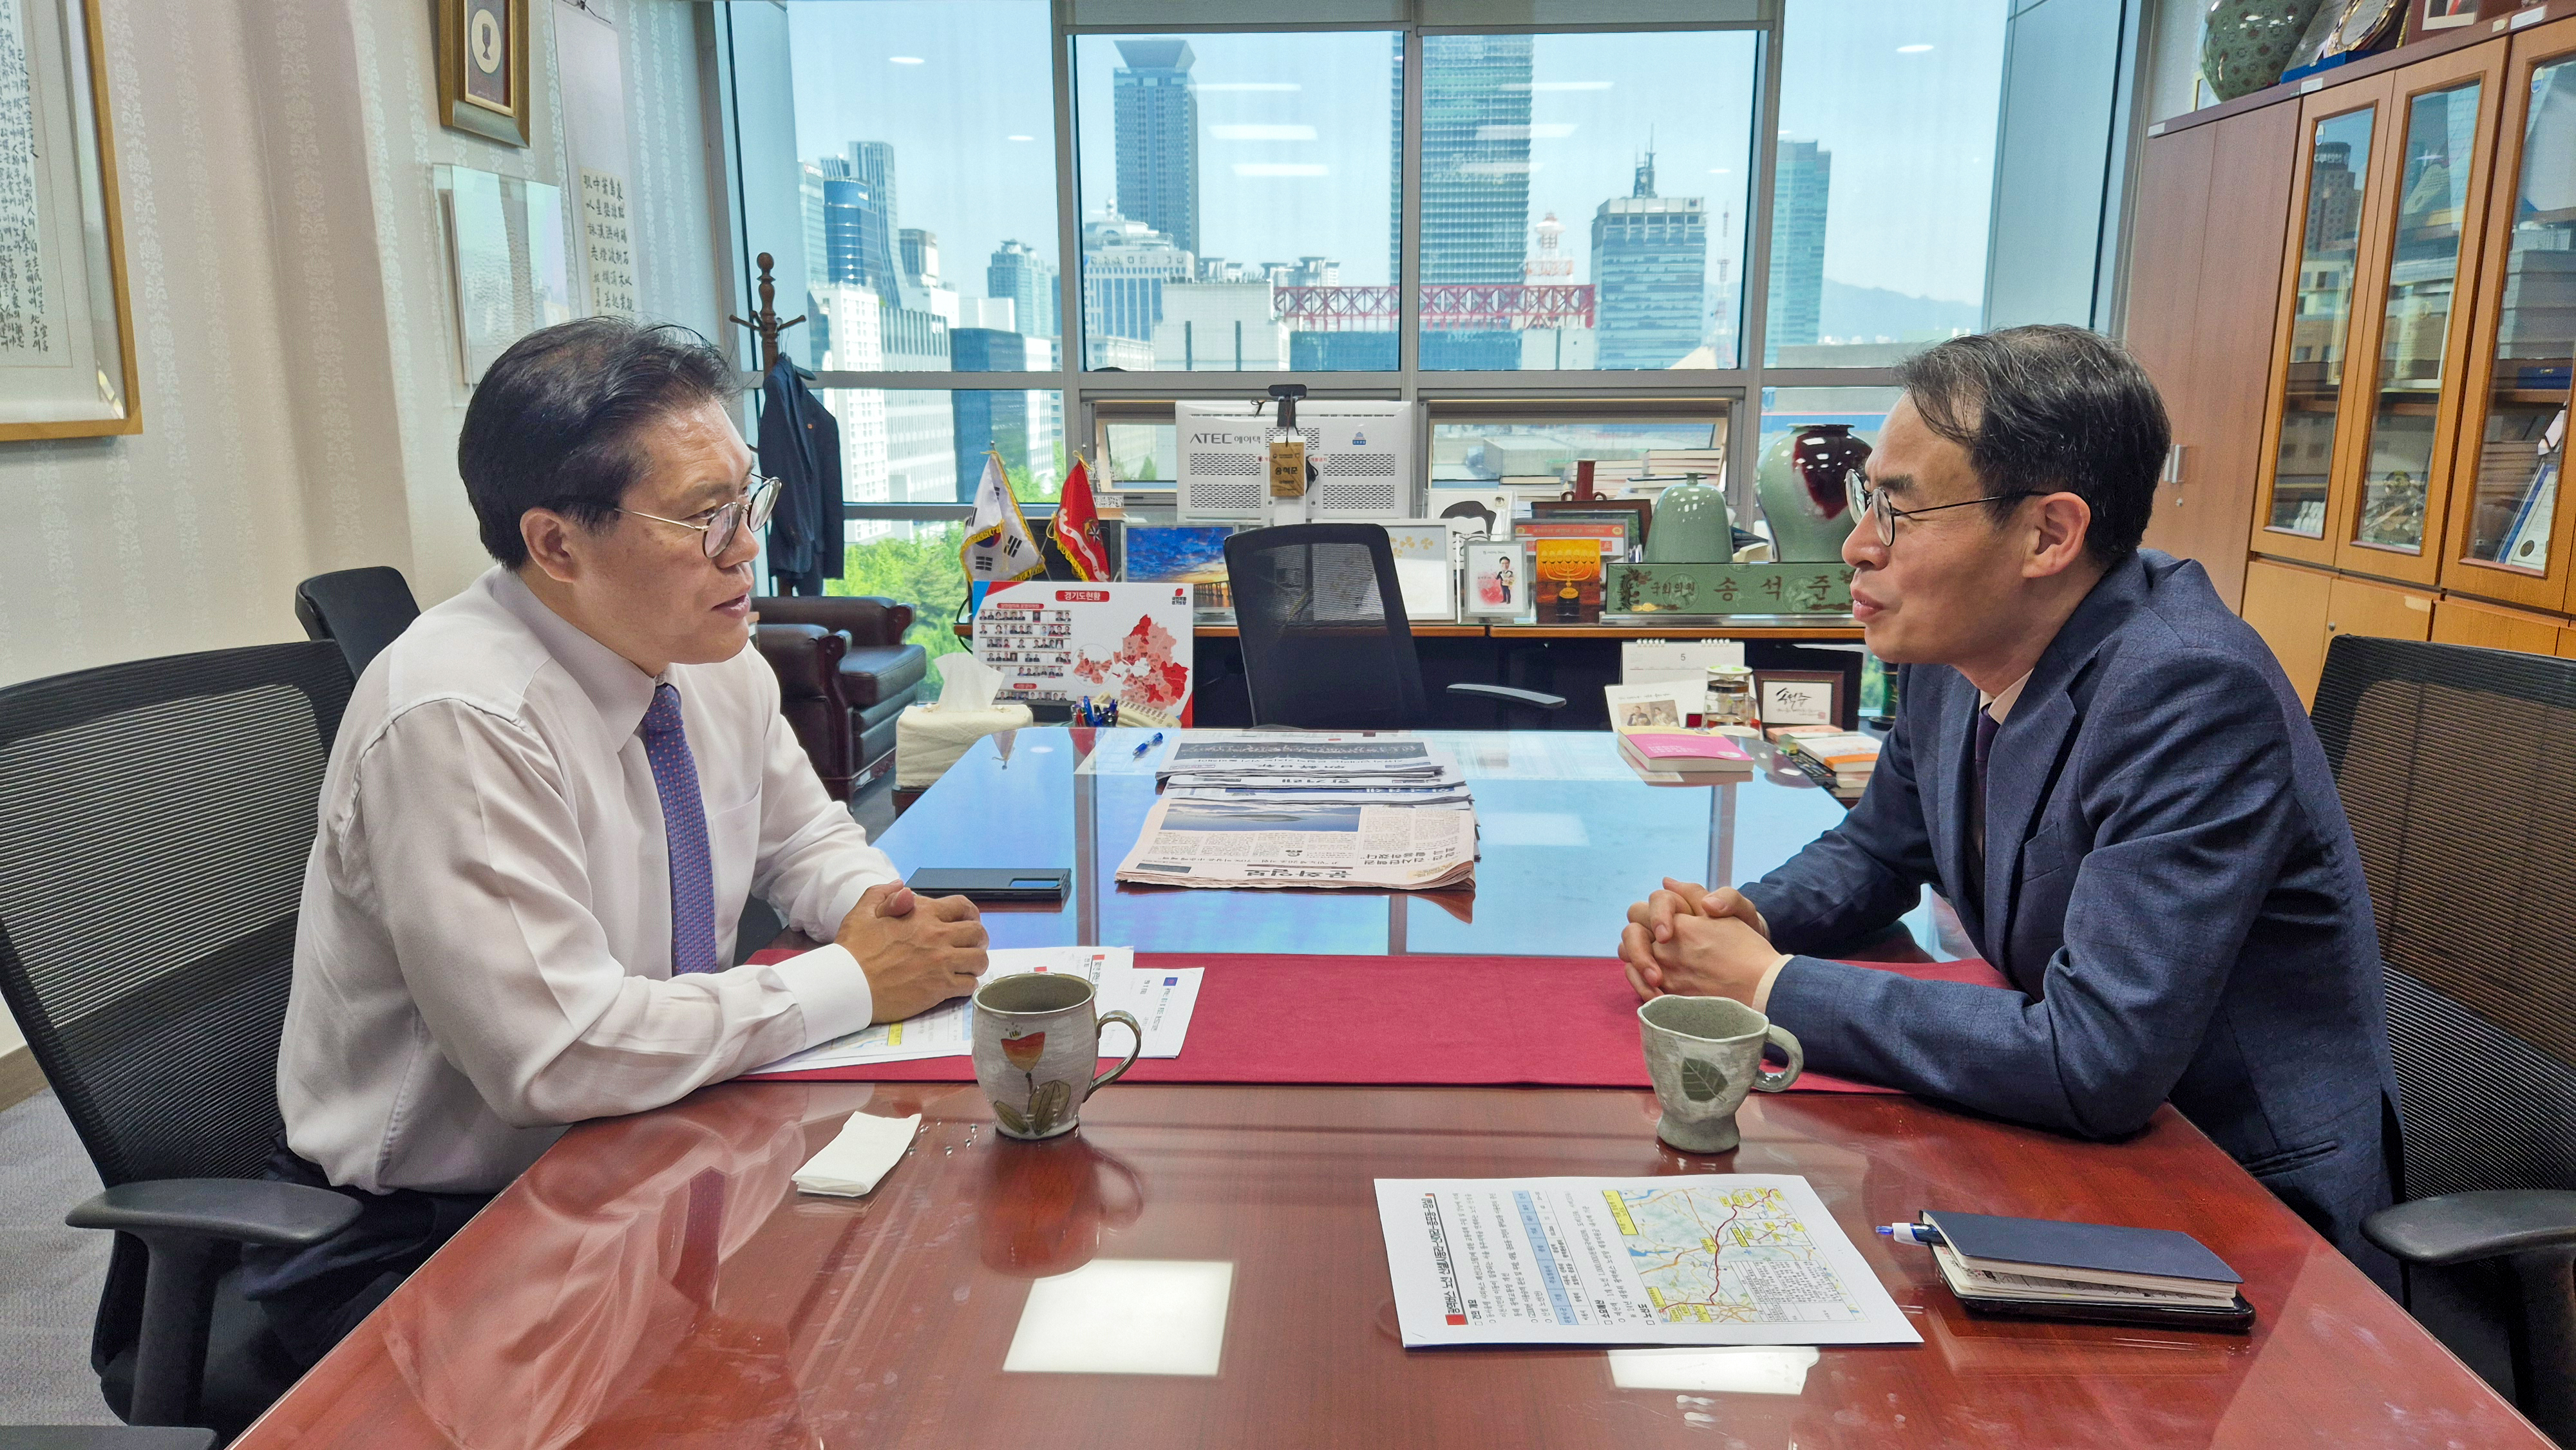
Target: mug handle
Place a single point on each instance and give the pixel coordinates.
(1764, 1079)
(1115, 1073)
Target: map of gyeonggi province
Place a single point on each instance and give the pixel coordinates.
(1700, 1259)
(1708, 1253)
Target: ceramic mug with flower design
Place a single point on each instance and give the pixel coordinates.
(1037, 1038)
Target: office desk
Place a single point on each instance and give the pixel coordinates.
(654, 1280)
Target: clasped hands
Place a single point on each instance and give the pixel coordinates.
(917, 951)
(1694, 942)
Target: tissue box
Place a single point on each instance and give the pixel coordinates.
(928, 739)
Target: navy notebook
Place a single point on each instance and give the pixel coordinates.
(2100, 1247)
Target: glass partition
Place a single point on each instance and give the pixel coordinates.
(2515, 502)
(2321, 324)
(2423, 277)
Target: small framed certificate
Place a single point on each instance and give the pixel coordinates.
(1798, 697)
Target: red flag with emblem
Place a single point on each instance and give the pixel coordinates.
(1076, 526)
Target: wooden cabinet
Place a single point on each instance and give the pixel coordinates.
(2211, 213)
(2466, 621)
(2287, 606)
(2510, 536)
(2382, 611)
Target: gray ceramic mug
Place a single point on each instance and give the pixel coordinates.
(1037, 1038)
(1705, 1054)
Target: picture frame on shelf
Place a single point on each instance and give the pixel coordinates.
(483, 68)
(1613, 532)
(1498, 579)
(1425, 569)
(67, 362)
(1798, 697)
(1644, 509)
(1490, 510)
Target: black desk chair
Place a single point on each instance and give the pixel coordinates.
(360, 609)
(1326, 645)
(154, 822)
(2458, 769)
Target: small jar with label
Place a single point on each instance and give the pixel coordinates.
(1730, 696)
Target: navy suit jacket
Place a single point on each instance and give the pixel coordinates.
(2170, 884)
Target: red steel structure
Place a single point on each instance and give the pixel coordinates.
(1445, 305)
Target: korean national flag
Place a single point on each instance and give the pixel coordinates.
(999, 548)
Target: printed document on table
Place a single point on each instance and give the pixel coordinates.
(1161, 1000)
(1744, 1258)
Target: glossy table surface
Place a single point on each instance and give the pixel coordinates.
(656, 1280)
(1570, 835)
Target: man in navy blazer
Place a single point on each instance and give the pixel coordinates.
(2106, 773)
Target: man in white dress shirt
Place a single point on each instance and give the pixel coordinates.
(547, 803)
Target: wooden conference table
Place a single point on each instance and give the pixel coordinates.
(655, 1280)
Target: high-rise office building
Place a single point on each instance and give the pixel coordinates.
(1015, 424)
(1801, 187)
(920, 250)
(1017, 273)
(1125, 265)
(1156, 120)
(818, 264)
(858, 218)
(1649, 274)
(1475, 181)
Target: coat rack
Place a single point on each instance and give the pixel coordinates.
(764, 323)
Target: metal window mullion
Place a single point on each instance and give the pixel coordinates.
(1754, 333)
(1071, 337)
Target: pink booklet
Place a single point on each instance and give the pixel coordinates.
(1684, 745)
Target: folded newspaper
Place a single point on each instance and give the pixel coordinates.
(1372, 812)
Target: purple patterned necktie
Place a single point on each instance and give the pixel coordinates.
(684, 830)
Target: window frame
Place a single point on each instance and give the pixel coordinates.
(1091, 399)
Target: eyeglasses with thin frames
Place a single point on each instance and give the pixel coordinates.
(1873, 502)
(726, 523)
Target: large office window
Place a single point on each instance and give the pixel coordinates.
(1583, 199)
(1884, 178)
(1239, 200)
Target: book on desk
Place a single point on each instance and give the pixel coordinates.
(2105, 1273)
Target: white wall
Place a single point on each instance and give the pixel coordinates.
(293, 322)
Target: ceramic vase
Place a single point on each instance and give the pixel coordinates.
(2247, 42)
(1801, 487)
(1693, 525)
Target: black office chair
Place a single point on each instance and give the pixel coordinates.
(154, 822)
(360, 609)
(1326, 645)
(2458, 769)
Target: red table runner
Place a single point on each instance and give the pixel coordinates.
(1408, 1020)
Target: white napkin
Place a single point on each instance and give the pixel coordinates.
(966, 683)
(852, 1164)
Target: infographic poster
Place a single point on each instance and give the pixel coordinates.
(1061, 642)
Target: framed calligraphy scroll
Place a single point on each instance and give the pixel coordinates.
(66, 331)
(483, 68)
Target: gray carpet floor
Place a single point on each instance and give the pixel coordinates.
(49, 1274)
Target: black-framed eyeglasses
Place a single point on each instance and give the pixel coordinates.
(1873, 502)
(726, 523)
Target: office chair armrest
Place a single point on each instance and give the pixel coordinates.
(2459, 1228)
(1510, 696)
(236, 1210)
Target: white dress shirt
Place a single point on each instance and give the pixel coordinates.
(485, 947)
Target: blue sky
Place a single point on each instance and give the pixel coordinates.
(1295, 129)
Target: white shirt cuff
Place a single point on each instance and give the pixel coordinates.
(830, 990)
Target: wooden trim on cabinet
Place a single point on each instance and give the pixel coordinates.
(2537, 46)
(2487, 626)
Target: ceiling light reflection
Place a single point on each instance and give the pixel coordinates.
(1125, 1316)
(1741, 1370)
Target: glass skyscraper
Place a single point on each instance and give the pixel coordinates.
(1157, 123)
(1475, 180)
(1650, 272)
(1801, 186)
(1028, 280)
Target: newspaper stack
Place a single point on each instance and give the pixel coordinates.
(1370, 811)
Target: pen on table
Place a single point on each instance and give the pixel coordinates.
(1150, 744)
(1913, 1233)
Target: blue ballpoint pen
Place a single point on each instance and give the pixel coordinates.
(1150, 744)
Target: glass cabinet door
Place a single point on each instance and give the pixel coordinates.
(2509, 516)
(2320, 328)
(2436, 202)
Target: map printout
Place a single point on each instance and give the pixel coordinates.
(1739, 1258)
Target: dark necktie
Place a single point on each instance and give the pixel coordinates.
(684, 831)
(1986, 728)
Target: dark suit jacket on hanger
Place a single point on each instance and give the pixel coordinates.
(2169, 881)
(800, 446)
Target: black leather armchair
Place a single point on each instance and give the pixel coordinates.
(844, 674)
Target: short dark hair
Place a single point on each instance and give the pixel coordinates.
(553, 423)
(2050, 409)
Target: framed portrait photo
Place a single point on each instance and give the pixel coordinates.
(67, 366)
(1798, 697)
(483, 68)
(1498, 579)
